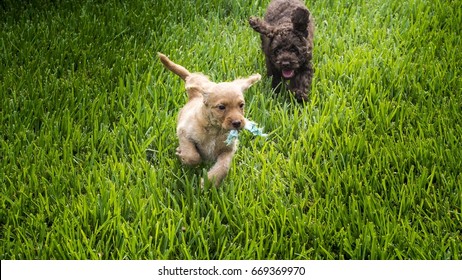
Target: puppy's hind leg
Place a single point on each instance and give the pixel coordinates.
(187, 153)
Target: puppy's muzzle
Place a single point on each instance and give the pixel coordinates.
(236, 124)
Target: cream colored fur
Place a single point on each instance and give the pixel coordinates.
(212, 111)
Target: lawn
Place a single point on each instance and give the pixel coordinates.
(369, 168)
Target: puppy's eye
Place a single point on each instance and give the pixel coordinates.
(221, 107)
(241, 105)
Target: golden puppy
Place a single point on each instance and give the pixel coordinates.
(212, 111)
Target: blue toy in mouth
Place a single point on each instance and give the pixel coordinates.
(250, 126)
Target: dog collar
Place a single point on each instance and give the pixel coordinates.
(250, 126)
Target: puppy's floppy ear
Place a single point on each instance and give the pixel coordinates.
(261, 27)
(196, 84)
(300, 19)
(246, 83)
(193, 91)
(206, 97)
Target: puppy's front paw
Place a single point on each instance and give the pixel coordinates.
(301, 96)
(188, 157)
(202, 183)
(255, 77)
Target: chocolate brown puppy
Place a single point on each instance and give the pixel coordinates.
(287, 42)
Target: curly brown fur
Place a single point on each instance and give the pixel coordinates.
(287, 42)
(212, 111)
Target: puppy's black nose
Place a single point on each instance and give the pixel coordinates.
(285, 64)
(236, 124)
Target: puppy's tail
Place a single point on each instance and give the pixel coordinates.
(175, 68)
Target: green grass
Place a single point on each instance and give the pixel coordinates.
(370, 168)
